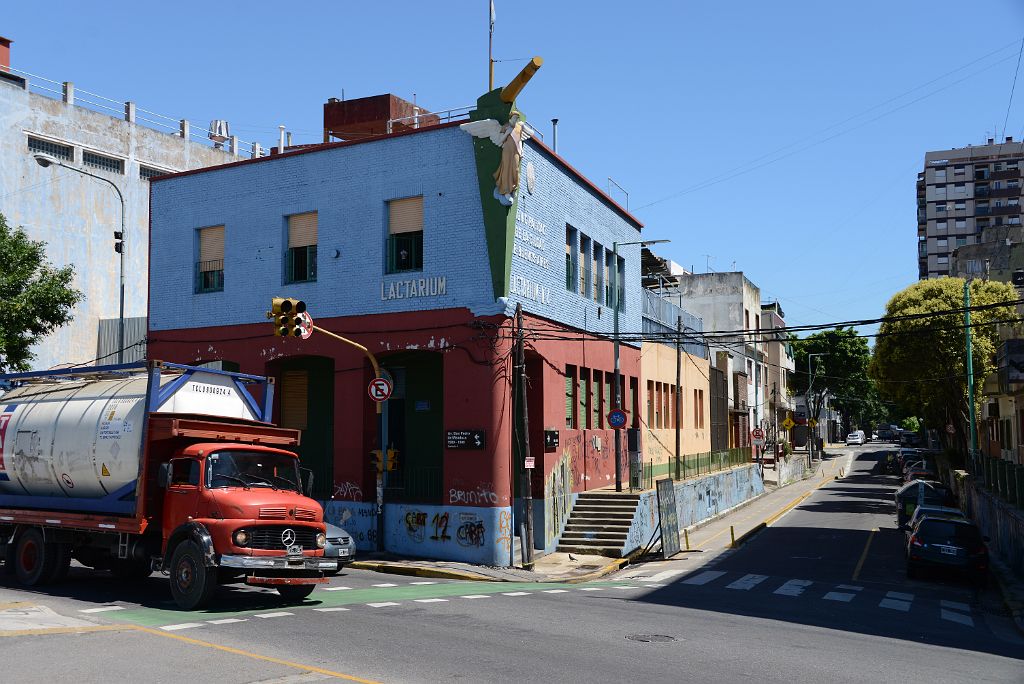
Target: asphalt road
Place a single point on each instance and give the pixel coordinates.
(802, 601)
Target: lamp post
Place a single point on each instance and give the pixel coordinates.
(810, 384)
(615, 341)
(45, 161)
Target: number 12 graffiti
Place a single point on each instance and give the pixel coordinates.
(440, 522)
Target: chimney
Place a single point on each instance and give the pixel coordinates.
(991, 141)
(1009, 138)
(5, 53)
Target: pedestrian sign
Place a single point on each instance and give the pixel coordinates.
(379, 389)
(788, 423)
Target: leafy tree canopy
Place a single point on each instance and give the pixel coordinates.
(841, 370)
(36, 297)
(921, 363)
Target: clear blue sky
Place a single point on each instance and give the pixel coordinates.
(814, 195)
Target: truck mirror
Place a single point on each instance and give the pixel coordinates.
(163, 475)
(307, 481)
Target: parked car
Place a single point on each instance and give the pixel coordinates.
(935, 512)
(340, 545)
(908, 498)
(920, 474)
(947, 543)
(855, 437)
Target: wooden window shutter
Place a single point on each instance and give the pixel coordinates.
(405, 215)
(211, 243)
(302, 229)
(294, 399)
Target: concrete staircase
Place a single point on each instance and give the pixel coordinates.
(599, 523)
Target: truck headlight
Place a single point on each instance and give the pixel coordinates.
(321, 540)
(241, 538)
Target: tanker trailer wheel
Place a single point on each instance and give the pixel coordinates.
(192, 583)
(34, 559)
(61, 563)
(295, 592)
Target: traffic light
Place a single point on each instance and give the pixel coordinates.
(375, 460)
(392, 462)
(118, 241)
(284, 313)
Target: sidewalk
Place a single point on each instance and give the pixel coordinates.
(706, 540)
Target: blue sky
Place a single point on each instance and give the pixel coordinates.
(782, 139)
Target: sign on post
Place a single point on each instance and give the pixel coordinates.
(617, 418)
(757, 434)
(466, 439)
(379, 389)
(788, 423)
(668, 520)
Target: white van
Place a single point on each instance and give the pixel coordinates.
(855, 437)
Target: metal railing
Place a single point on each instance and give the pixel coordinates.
(415, 484)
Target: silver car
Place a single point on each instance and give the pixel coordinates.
(340, 545)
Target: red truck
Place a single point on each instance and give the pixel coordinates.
(155, 467)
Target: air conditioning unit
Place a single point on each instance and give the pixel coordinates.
(1018, 278)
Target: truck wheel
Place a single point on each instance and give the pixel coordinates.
(131, 570)
(295, 592)
(192, 583)
(34, 559)
(61, 563)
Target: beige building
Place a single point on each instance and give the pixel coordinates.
(658, 404)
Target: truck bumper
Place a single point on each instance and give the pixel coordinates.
(316, 563)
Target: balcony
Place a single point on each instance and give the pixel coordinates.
(981, 190)
(1005, 192)
(1006, 209)
(1004, 174)
(660, 316)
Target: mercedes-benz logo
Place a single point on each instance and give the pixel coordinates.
(288, 537)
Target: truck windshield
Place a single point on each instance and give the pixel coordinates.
(253, 469)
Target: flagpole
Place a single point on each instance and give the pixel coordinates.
(490, 47)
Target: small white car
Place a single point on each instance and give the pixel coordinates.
(855, 437)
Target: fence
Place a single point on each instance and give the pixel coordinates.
(694, 465)
(414, 484)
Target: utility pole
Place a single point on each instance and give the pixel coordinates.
(970, 374)
(679, 391)
(524, 436)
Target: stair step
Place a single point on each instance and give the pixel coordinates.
(577, 527)
(603, 509)
(594, 542)
(604, 496)
(608, 551)
(595, 516)
(600, 539)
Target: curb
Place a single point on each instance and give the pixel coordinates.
(420, 571)
(1013, 601)
(746, 536)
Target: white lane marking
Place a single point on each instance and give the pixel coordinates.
(899, 596)
(266, 616)
(953, 616)
(184, 625)
(336, 588)
(894, 604)
(955, 605)
(793, 587)
(225, 621)
(385, 584)
(432, 600)
(516, 593)
(554, 591)
(385, 604)
(101, 609)
(626, 586)
(662, 576)
(848, 587)
(654, 584)
(591, 588)
(422, 582)
(329, 610)
(747, 582)
(476, 596)
(845, 597)
(704, 577)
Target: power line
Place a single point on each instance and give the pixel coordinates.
(1012, 88)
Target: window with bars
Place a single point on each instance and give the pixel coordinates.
(650, 403)
(54, 149)
(405, 235)
(634, 394)
(607, 396)
(583, 394)
(584, 262)
(147, 172)
(102, 162)
(570, 397)
(595, 400)
(295, 399)
(210, 266)
(300, 259)
(570, 258)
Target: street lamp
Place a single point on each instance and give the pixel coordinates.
(615, 339)
(45, 161)
(810, 384)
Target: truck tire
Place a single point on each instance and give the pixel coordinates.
(61, 564)
(192, 583)
(295, 592)
(34, 559)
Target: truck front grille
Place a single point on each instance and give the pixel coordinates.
(269, 538)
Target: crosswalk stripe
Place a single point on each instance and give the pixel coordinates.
(954, 616)
(747, 582)
(336, 588)
(894, 604)
(184, 625)
(101, 609)
(848, 587)
(704, 577)
(431, 600)
(555, 591)
(383, 604)
(385, 584)
(955, 605)
(662, 576)
(475, 596)
(516, 593)
(329, 610)
(591, 588)
(422, 582)
(266, 616)
(793, 587)
(225, 621)
(843, 596)
(899, 596)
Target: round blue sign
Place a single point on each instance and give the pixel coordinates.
(617, 418)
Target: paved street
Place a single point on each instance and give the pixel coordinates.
(802, 601)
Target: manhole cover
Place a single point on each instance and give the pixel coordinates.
(650, 638)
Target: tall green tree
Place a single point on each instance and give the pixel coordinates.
(842, 372)
(35, 297)
(921, 363)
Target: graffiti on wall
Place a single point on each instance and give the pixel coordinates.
(505, 530)
(360, 521)
(471, 530)
(558, 496)
(347, 491)
(440, 524)
(415, 524)
(482, 494)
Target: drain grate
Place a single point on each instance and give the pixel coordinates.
(650, 638)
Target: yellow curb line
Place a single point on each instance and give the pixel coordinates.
(249, 654)
(64, 630)
(418, 571)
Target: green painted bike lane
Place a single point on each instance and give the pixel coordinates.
(157, 617)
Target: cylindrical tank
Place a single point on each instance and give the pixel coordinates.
(80, 439)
